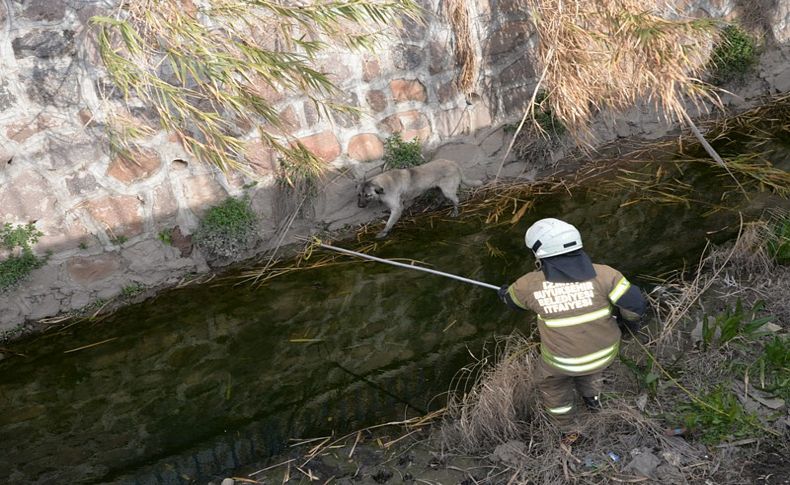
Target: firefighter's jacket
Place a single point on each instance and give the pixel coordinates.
(576, 321)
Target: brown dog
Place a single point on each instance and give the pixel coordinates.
(396, 187)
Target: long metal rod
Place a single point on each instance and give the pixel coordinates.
(409, 266)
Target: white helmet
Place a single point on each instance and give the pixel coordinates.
(551, 237)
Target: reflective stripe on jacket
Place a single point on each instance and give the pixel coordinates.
(578, 333)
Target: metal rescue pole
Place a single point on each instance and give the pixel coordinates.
(409, 266)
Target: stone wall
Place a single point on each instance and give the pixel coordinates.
(102, 216)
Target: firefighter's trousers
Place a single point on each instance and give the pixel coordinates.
(558, 393)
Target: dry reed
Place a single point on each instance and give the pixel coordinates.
(609, 55)
(466, 55)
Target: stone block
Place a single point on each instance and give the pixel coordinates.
(119, 215)
(290, 120)
(494, 142)
(447, 92)
(336, 68)
(365, 147)
(451, 122)
(89, 270)
(407, 57)
(41, 306)
(44, 10)
(7, 99)
(164, 206)
(442, 57)
(377, 100)
(74, 151)
(138, 165)
(414, 31)
(517, 73)
(44, 43)
(479, 117)
(371, 70)
(311, 114)
(408, 90)
(146, 257)
(512, 7)
(508, 39)
(323, 145)
(261, 158)
(780, 22)
(182, 242)
(266, 91)
(202, 192)
(62, 233)
(21, 131)
(410, 124)
(346, 120)
(52, 84)
(27, 197)
(81, 183)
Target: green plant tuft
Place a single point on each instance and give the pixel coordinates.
(165, 237)
(399, 153)
(545, 117)
(773, 368)
(17, 240)
(647, 376)
(131, 290)
(719, 416)
(120, 240)
(779, 246)
(733, 57)
(733, 323)
(227, 229)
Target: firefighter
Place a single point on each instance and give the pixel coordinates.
(583, 308)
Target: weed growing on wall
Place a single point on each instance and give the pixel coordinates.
(227, 229)
(17, 241)
(399, 153)
(733, 57)
(131, 290)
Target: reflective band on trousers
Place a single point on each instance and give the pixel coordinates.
(560, 409)
(619, 290)
(569, 321)
(585, 363)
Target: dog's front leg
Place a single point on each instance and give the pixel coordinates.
(394, 216)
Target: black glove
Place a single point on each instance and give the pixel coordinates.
(502, 293)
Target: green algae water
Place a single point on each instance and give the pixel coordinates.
(209, 378)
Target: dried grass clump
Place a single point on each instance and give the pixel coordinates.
(495, 413)
(606, 54)
(493, 399)
(466, 56)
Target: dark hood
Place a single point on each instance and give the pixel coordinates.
(568, 268)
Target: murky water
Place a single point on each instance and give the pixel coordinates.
(209, 378)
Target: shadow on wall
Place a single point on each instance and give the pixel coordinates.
(119, 244)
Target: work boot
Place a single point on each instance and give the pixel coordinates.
(592, 403)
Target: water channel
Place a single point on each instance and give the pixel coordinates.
(207, 378)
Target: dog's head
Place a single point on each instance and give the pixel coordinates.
(367, 192)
